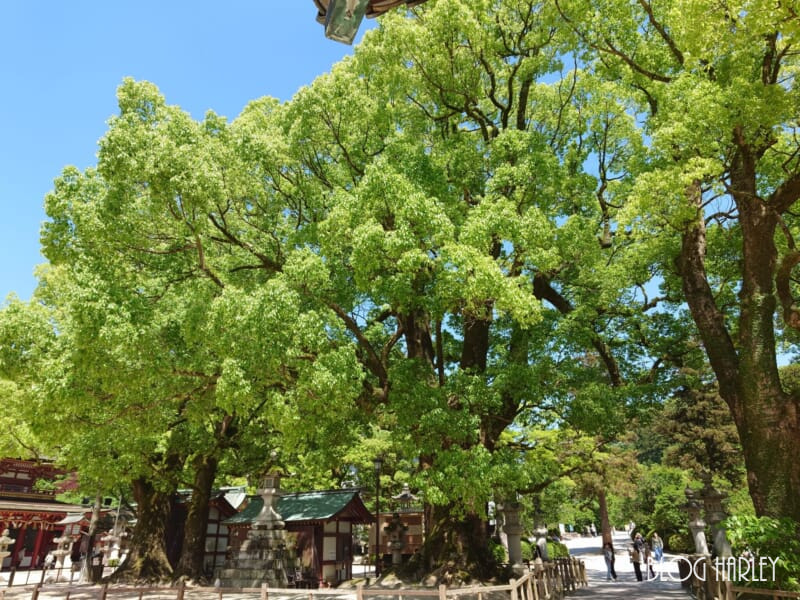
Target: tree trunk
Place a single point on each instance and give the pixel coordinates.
(456, 545)
(147, 560)
(765, 416)
(605, 523)
(87, 573)
(193, 551)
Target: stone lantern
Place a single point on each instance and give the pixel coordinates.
(715, 514)
(110, 543)
(5, 542)
(512, 527)
(63, 543)
(261, 556)
(696, 524)
(395, 531)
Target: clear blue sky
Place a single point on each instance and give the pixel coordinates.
(61, 62)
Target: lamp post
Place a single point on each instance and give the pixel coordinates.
(378, 463)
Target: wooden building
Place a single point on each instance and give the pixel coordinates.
(319, 528)
(29, 511)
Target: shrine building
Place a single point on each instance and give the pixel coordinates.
(30, 512)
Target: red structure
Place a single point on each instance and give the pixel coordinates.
(29, 512)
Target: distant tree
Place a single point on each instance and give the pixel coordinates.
(700, 435)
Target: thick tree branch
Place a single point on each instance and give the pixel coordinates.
(372, 360)
(709, 319)
(791, 312)
(648, 8)
(786, 194)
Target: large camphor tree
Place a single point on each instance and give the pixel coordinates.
(719, 99)
(442, 176)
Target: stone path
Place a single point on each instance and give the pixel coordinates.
(665, 585)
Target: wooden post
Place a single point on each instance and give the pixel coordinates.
(103, 592)
(513, 583)
(360, 591)
(442, 592)
(34, 596)
(181, 590)
(264, 591)
(570, 574)
(574, 573)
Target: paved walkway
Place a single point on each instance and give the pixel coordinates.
(665, 585)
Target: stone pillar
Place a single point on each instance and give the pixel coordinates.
(712, 501)
(513, 530)
(696, 524)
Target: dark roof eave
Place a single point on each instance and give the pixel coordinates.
(374, 9)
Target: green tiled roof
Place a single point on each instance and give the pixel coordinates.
(306, 506)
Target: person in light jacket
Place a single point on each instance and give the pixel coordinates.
(608, 555)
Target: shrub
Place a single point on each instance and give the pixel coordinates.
(527, 550)
(681, 543)
(557, 550)
(770, 538)
(498, 551)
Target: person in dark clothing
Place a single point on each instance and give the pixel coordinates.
(637, 556)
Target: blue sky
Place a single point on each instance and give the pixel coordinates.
(61, 62)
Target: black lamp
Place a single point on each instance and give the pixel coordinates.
(343, 18)
(378, 462)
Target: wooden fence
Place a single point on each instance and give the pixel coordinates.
(541, 581)
(716, 586)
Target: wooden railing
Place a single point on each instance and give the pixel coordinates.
(718, 587)
(541, 581)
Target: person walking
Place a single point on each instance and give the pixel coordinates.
(658, 547)
(648, 561)
(637, 553)
(608, 555)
